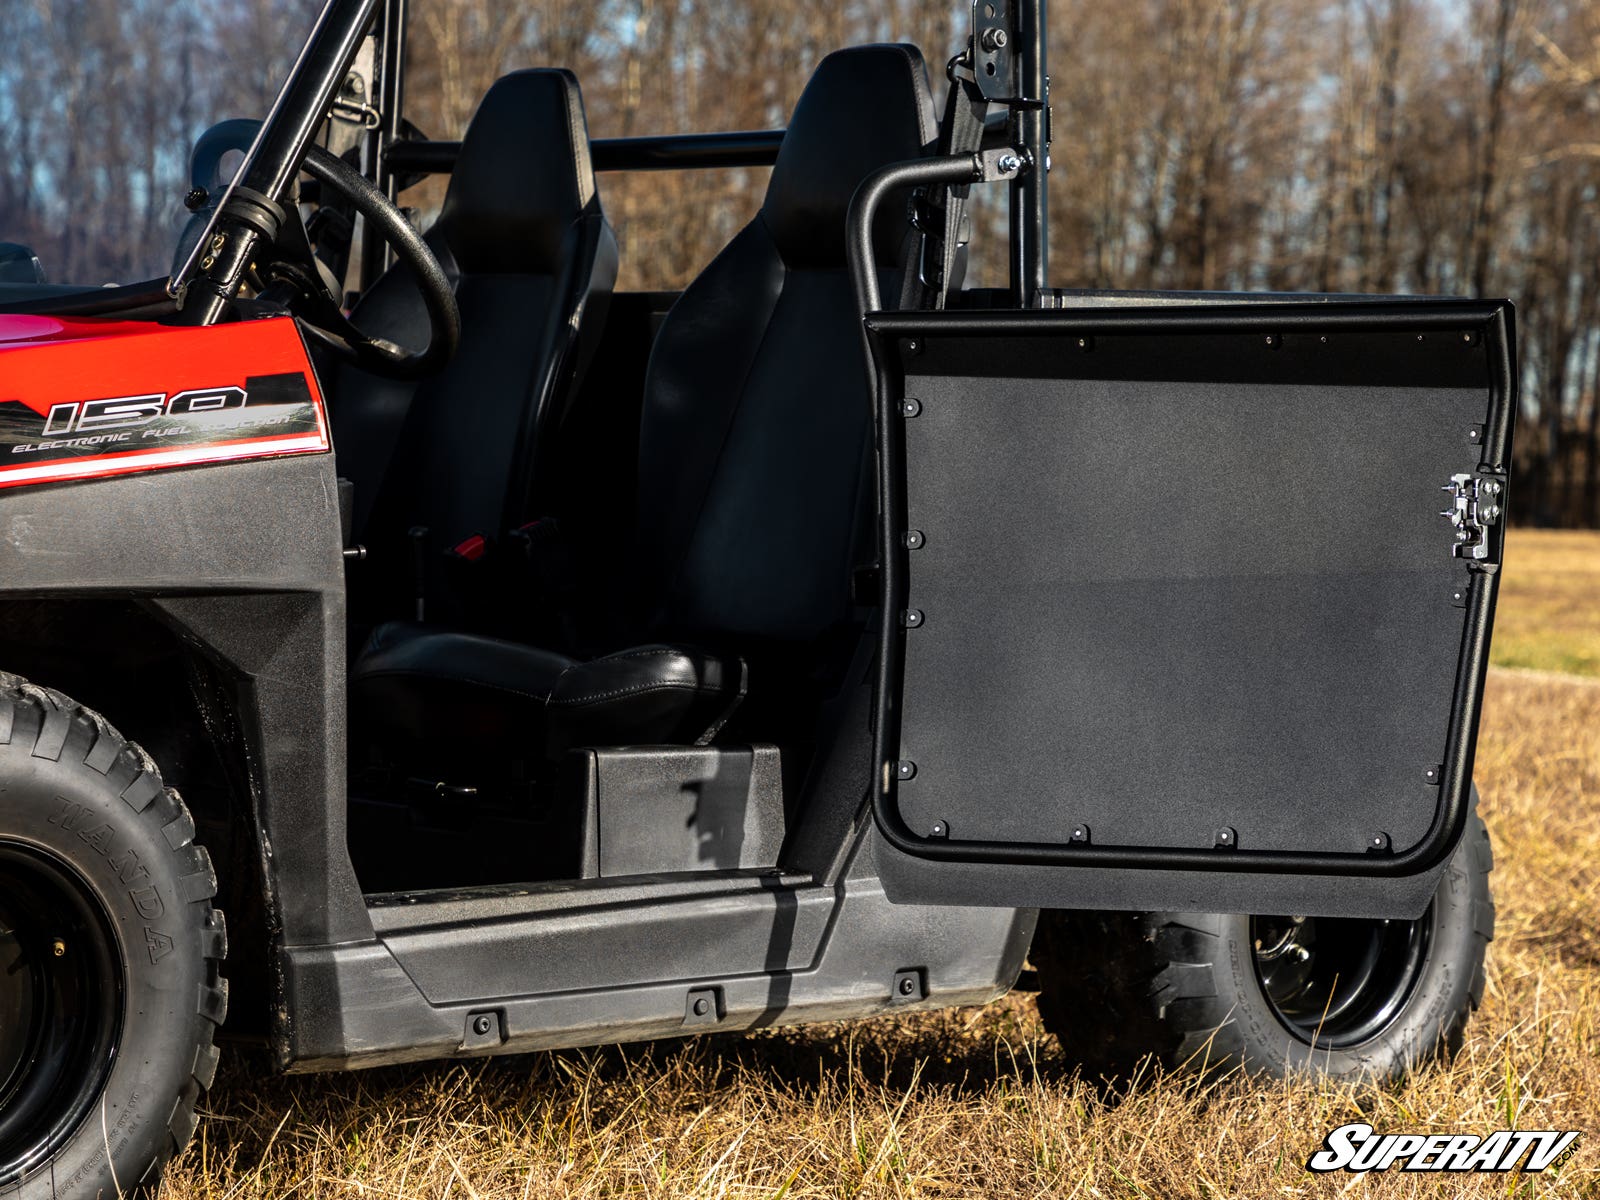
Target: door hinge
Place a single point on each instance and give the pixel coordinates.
(1475, 504)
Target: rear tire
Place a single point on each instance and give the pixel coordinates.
(1345, 999)
(110, 991)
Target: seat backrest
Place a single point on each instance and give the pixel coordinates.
(756, 434)
(523, 238)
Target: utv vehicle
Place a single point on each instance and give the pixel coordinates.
(520, 664)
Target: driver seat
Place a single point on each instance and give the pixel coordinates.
(522, 238)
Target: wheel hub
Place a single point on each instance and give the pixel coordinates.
(1337, 982)
(61, 1003)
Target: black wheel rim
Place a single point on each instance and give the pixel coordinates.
(61, 1003)
(1338, 982)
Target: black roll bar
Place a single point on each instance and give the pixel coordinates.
(390, 87)
(1030, 194)
(672, 152)
(250, 212)
(916, 172)
(662, 152)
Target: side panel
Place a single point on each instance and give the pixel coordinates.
(1180, 598)
(777, 953)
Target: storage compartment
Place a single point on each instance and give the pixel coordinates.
(653, 809)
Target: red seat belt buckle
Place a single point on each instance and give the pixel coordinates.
(472, 549)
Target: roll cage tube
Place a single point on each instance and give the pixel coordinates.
(389, 68)
(1030, 194)
(250, 212)
(986, 166)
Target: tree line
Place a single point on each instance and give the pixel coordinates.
(1427, 146)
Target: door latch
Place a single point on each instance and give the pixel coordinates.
(1474, 506)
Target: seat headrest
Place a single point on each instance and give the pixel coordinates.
(863, 108)
(522, 178)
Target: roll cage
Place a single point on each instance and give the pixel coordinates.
(353, 66)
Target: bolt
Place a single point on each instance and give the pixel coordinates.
(1008, 163)
(1225, 836)
(994, 39)
(1432, 773)
(1474, 434)
(58, 948)
(1458, 595)
(196, 199)
(1271, 340)
(1323, 340)
(907, 986)
(702, 1006)
(939, 830)
(1083, 343)
(1463, 535)
(1380, 841)
(1080, 833)
(1469, 338)
(1491, 513)
(910, 407)
(913, 346)
(913, 617)
(481, 1026)
(914, 539)
(1491, 487)
(1301, 953)
(906, 769)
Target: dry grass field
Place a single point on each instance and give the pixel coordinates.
(979, 1103)
(1549, 613)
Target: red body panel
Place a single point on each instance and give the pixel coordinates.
(59, 365)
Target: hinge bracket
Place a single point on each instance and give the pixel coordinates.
(1476, 502)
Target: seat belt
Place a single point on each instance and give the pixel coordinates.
(940, 210)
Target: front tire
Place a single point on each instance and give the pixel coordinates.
(110, 991)
(1347, 999)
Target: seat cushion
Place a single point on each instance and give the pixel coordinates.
(458, 703)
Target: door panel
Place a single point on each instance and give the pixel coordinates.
(1181, 598)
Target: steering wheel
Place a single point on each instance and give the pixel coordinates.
(327, 320)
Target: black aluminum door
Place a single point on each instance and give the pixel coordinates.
(1175, 617)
